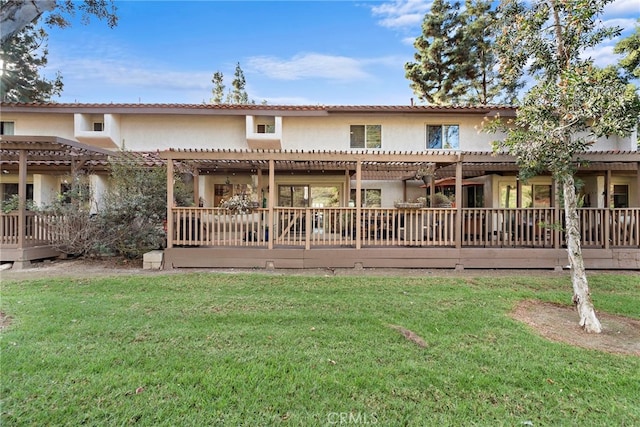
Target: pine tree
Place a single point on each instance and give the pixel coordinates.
(238, 94)
(456, 59)
(23, 56)
(630, 46)
(479, 81)
(434, 74)
(218, 88)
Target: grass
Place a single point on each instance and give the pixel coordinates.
(260, 350)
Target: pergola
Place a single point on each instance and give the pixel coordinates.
(361, 165)
(22, 154)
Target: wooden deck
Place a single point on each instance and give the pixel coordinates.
(401, 238)
(370, 238)
(34, 244)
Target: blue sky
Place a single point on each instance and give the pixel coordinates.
(291, 52)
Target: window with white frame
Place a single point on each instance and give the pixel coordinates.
(7, 128)
(443, 137)
(265, 128)
(366, 136)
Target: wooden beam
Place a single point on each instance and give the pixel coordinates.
(51, 143)
(309, 156)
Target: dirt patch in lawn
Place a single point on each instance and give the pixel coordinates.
(5, 321)
(559, 322)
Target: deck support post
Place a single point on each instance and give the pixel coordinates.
(638, 184)
(607, 212)
(358, 204)
(22, 199)
(196, 188)
(556, 213)
(272, 202)
(170, 203)
(458, 224)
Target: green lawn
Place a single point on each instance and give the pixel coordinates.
(263, 349)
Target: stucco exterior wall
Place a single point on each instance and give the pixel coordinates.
(150, 133)
(41, 124)
(402, 133)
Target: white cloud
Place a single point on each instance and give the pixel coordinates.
(409, 41)
(622, 8)
(123, 74)
(401, 14)
(625, 24)
(602, 55)
(309, 65)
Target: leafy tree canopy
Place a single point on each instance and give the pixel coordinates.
(571, 104)
(22, 58)
(17, 14)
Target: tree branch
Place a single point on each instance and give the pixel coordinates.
(17, 14)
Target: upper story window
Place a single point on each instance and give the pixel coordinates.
(7, 128)
(446, 137)
(366, 136)
(98, 126)
(264, 128)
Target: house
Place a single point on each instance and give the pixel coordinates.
(335, 186)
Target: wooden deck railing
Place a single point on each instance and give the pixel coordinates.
(37, 230)
(386, 227)
(376, 227)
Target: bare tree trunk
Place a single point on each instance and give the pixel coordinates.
(17, 14)
(581, 296)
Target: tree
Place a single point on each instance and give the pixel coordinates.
(218, 88)
(630, 46)
(572, 103)
(456, 62)
(479, 81)
(434, 73)
(22, 57)
(17, 14)
(238, 95)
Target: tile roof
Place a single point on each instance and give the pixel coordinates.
(134, 108)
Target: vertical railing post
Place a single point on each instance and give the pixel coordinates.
(307, 228)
